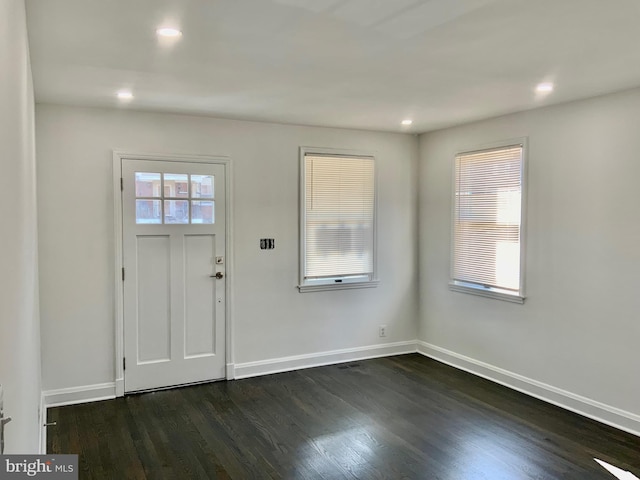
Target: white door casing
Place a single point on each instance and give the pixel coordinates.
(174, 307)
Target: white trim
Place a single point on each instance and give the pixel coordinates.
(231, 371)
(118, 156)
(230, 268)
(118, 265)
(338, 286)
(296, 362)
(171, 157)
(75, 395)
(456, 286)
(615, 417)
(306, 287)
(43, 428)
(119, 383)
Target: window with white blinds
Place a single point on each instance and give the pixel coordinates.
(337, 220)
(488, 222)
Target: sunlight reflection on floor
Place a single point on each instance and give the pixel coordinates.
(493, 453)
(617, 472)
(353, 449)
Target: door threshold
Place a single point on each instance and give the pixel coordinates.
(172, 387)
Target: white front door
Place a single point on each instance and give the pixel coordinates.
(173, 248)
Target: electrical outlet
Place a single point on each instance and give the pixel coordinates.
(382, 330)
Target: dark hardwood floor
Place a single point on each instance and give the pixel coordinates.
(392, 418)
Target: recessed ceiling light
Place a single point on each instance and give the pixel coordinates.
(169, 32)
(125, 95)
(407, 122)
(544, 87)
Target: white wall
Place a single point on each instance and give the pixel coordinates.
(271, 318)
(579, 329)
(19, 323)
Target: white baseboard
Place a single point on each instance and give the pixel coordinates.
(615, 417)
(83, 394)
(286, 364)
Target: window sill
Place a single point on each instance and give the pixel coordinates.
(337, 286)
(486, 292)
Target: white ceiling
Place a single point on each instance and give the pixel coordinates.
(364, 64)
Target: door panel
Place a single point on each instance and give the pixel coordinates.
(154, 298)
(174, 306)
(199, 331)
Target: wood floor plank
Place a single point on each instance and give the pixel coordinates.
(404, 417)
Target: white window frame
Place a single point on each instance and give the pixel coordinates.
(476, 289)
(339, 282)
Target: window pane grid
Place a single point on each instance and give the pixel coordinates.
(174, 198)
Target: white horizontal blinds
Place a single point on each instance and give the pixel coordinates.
(339, 216)
(487, 217)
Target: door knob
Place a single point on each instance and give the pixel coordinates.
(218, 275)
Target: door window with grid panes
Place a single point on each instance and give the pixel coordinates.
(174, 198)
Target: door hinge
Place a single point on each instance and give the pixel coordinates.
(124, 363)
(123, 274)
(121, 184)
